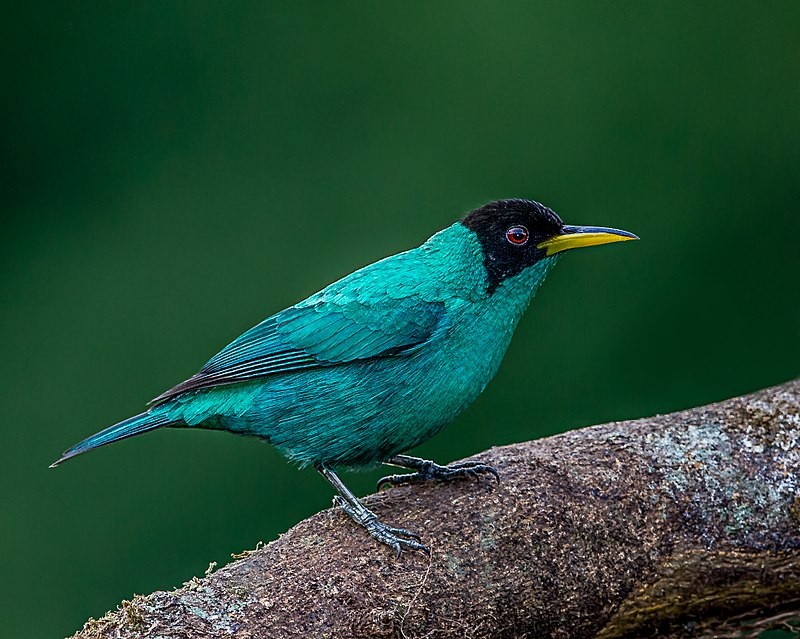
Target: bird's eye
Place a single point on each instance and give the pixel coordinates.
(517, 235)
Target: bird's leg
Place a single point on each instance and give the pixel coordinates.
(397, 538)
(427, 470)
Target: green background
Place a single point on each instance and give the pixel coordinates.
(174, 172)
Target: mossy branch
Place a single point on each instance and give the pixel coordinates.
(678, 525)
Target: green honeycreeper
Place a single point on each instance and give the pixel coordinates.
(381, 360)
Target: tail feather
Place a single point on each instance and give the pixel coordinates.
(126, 428)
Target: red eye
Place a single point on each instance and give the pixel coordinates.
(517, 235)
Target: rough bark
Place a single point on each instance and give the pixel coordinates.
(678, 525)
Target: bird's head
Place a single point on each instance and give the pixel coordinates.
(517, 234)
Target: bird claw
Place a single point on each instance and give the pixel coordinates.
(430, 471)
(397, 538)
(400, 480)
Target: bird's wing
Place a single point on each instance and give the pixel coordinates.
(340, 324)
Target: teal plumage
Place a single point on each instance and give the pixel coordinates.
(342, 404)
(376, 362)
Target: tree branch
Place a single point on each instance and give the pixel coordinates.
(678, 525)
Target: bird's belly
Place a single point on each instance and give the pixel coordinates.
(355, 414)
(366, 413)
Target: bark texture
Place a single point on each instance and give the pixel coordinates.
(680, 525)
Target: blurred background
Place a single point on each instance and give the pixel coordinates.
(172, 173)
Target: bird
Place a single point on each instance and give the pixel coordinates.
(381, 360)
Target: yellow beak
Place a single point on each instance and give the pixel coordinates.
(579, 236)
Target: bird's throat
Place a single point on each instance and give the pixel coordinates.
(518, 290)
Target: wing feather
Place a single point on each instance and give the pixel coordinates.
(324, 330)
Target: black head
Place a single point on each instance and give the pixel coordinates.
(509, 232)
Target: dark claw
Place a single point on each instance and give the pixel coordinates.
(445, 473)
(485, 468)
(404, 533)
(400, 480)
(474, 468)
(394, 537)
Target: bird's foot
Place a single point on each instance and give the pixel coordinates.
(398, 538)
(429, 470)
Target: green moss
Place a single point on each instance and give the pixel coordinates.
(454, 566)
(134, 618)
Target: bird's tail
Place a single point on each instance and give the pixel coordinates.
(126, 428)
